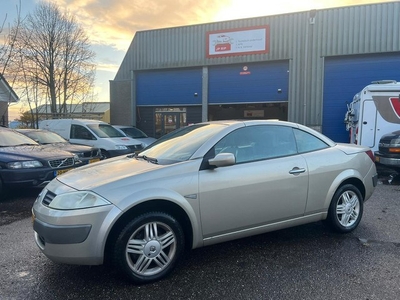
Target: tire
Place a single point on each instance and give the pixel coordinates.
(346, 209)
(149, 247)
(104, 154)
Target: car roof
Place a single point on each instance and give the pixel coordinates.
(29, 129)
(85, 121)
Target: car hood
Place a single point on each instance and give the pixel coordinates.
(69, 147)
(31, 152)
(105, 172)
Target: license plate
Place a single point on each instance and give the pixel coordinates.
(94, 160)
(59, 172)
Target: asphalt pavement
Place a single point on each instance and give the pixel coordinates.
(305, 262)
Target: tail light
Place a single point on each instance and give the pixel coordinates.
(371, 155)
(355, 140)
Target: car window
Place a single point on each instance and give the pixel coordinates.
(258, 142)
(10, 138)
(80, 132)
(45, 137)
(105, 131)
(134, 132)
(307, 142)
(181, 144)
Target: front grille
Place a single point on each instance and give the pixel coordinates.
(59, 163)
(89, 154)
(48, 198)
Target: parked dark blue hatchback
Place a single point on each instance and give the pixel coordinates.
(85, 153)
(24, 163)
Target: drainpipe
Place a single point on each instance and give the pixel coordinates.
(204, 97)
(133, 98)
(311, 21)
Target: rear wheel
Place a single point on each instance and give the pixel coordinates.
(149, 247)
(346, 209)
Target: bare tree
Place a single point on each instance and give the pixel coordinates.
(54, 58)
(7, 47)
(7, 43)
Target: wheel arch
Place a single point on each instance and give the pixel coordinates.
(158, 205)
(347, 177)
(357, 183)
(104, 153)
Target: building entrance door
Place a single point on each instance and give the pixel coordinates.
(168, 120)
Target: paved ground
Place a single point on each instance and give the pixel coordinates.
(306, 262)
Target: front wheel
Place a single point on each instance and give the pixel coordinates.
(148, 248)
(346, 209)
(104, 154)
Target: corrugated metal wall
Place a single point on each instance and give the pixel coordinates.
(304, 38)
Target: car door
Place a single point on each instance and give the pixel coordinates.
(268, 183)
(81, 135)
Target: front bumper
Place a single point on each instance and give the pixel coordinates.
(35, 177)
(114, 153)
(73, 236)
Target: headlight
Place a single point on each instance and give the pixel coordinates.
(395, 142)
(24, 164)
(77, 159)
(77, 200)
(394, 146)
(79, 154)
(120, 147)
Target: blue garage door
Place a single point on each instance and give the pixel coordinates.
(250, 83)
(169, 87)
(345, 77)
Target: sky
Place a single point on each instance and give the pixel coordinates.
(111, 24)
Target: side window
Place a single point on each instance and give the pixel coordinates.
(307, 142)
(275, 141)
(240, 143)
(258, 142)
(80, 132)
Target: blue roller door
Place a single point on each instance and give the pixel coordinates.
(248, 83)
(345, 77)
(169, 87)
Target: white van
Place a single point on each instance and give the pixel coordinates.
(374, 112)
(93, 133)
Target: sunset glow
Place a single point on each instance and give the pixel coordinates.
(112, 24)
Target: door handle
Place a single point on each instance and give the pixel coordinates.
(296, 171)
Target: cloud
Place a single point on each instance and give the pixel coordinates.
(114, 22)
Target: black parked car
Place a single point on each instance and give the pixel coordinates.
(25, 163)
(86, 154)
(389, 151)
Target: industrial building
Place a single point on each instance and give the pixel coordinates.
(302, 67)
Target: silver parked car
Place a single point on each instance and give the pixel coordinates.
(136, 134)
(200, 185)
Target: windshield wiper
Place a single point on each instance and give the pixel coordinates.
(149, 159)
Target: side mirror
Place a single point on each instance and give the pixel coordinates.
(222, 160)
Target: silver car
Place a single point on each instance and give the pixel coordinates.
(200, 185)
(136, 134)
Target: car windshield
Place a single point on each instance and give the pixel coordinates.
(9, 138)
(105, 131)
(134, 132)
(180, 144)
(45, 137)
